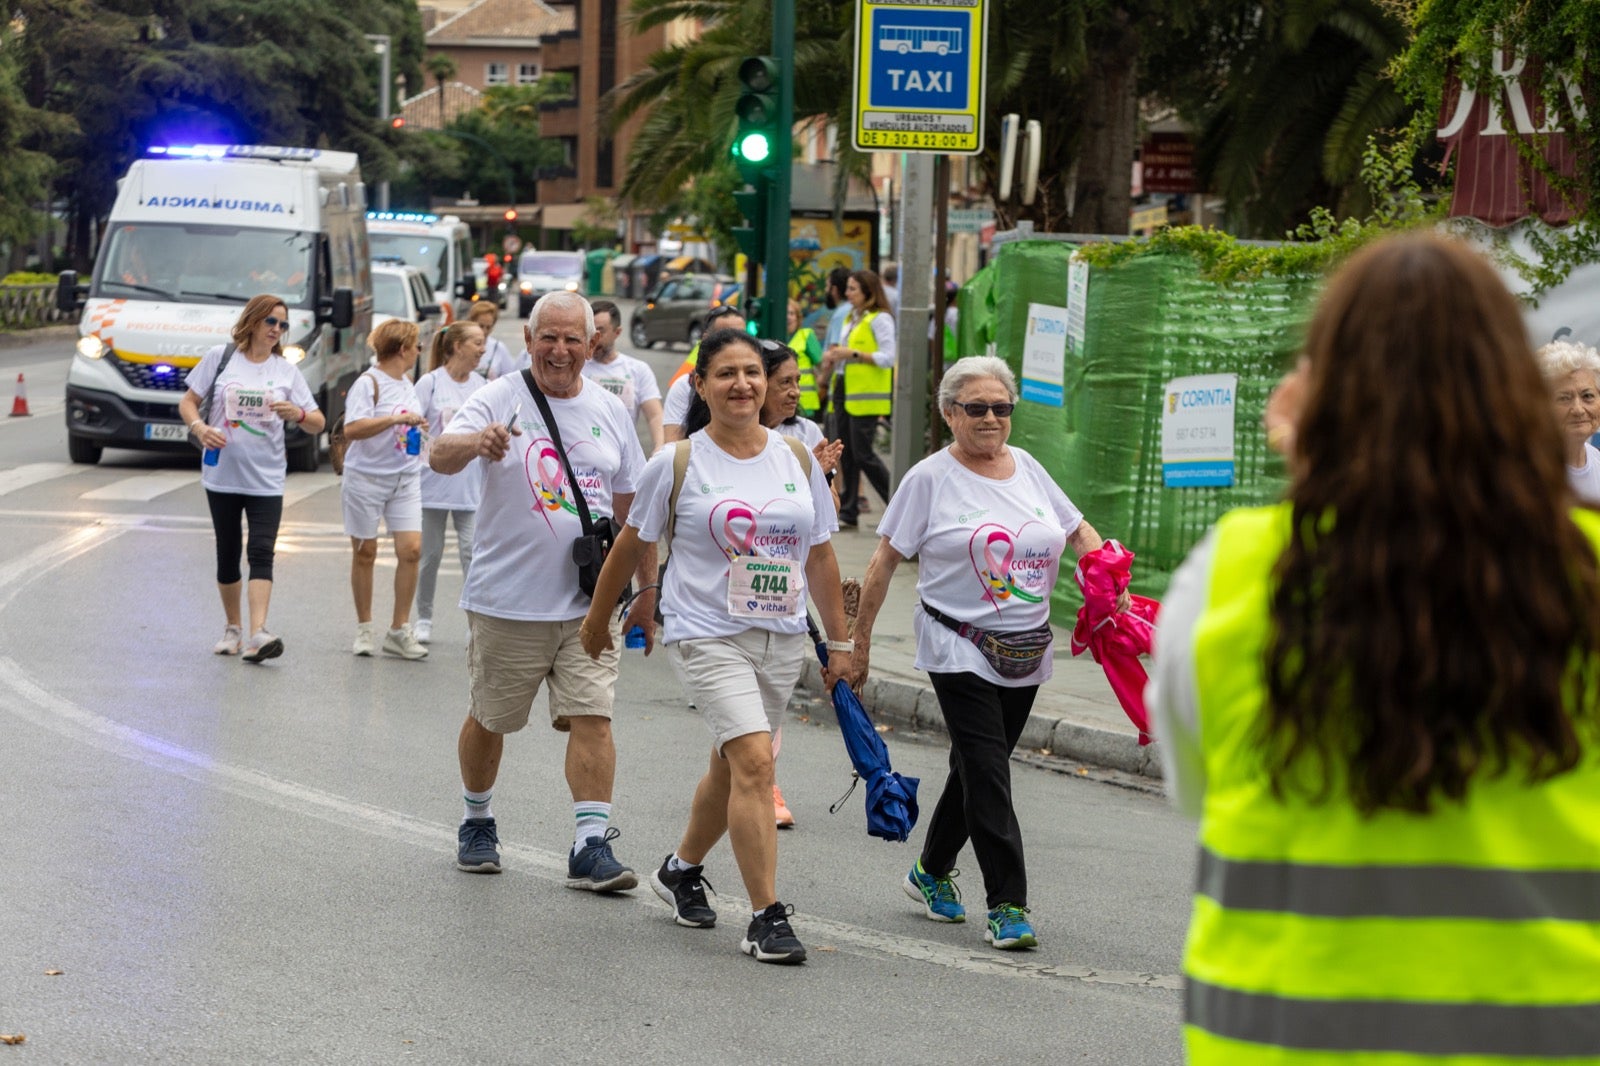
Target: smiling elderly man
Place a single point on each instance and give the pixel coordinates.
(521, 595)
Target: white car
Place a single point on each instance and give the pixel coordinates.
(405, 292)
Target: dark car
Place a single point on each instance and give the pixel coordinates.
(677, 308)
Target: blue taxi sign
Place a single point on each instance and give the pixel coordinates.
(919, 76)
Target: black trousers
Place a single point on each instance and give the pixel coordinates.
(857, 432)
(265, 513)
(985, 721)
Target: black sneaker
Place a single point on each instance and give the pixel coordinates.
(478, 846)
(685, 892)
(595, 869)
(771, 940)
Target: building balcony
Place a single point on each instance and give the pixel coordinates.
(561, 51)
(558, 118)
(558, 186)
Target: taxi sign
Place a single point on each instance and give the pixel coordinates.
(919, 76)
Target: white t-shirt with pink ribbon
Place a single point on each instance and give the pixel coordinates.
(522, 566)
(758, 516)
(442, 396)
(385, 452)
(253, 462)
(988, 552)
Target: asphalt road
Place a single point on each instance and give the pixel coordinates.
(254, 864)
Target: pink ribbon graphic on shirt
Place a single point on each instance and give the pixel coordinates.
(547, 479)
(995, 573)
(737, 528)
(741, 543)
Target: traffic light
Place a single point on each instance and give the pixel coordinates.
(752, 323)
(756, 135)
(511, 214)
(752, 204)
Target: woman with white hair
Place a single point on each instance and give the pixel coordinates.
(988, 526)
(1573, 373)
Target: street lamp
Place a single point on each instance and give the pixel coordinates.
(380, 45)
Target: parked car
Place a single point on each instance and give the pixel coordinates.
(543, 272)
(677, 308)
(406, 293)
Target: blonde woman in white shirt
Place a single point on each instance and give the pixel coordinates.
(1573, 373)
(751, 536)
(383, 480)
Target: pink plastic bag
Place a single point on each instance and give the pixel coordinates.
(1115, 639)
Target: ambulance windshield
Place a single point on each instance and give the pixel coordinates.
(421, 250)
(205, 264)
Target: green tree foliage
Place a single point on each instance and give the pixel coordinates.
(24, 179)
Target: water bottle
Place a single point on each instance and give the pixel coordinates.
(210, 456)
(635, 637)
(413, 441)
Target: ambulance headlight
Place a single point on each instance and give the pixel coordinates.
(294, 353)
(92, 347)
(572, 286)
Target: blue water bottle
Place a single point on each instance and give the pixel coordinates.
(413, 441)
(210, 456)
(635, 637)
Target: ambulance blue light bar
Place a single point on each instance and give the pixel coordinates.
(233, 151)
(400, 216)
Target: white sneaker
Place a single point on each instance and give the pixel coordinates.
(423, 630)
(366, 641)
(401, 642)
(229, 644)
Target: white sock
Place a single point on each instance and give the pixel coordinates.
(592, 821)
(677, 865)
(477, 804)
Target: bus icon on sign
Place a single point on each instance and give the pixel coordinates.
(907, 39)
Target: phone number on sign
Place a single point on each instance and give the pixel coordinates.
(952, 142)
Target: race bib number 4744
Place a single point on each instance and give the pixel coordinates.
(765, 588)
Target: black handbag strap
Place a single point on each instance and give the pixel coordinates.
(222, 364)
(555, 438)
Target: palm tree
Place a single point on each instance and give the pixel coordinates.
(443, 68)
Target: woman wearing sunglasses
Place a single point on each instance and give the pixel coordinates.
(252, 398)
(988, 526)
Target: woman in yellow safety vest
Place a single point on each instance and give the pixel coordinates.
(808, 354)
(1382, 699)
(862, 372)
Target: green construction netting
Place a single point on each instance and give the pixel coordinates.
(1149, 319)
(975, 315)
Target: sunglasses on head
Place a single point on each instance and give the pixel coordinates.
(978, 410)
(273, 322)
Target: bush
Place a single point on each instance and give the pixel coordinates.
(24, 277)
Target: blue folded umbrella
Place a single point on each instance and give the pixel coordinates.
(891, 798)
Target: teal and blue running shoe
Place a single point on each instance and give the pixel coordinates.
(938, 895)
(1009, 929)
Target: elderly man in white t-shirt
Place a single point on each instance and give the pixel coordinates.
(522, 597)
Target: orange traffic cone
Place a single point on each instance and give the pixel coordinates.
(19, 406)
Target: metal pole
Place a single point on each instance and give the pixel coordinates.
(915, 220)
(941, 244)
(775, 307)
(380, 44)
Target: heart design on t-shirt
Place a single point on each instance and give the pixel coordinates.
(738, 529)
(992, 550)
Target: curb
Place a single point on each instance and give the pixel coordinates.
(22, 337)
(907, 704)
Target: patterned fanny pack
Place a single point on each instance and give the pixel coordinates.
(1013, 655)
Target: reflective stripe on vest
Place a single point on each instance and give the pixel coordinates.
(1320, 935)
(868, 387)
(687, 367)
(800, 344)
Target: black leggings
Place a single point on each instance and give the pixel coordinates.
(265, 513)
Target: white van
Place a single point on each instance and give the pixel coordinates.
(539, 273)
(441, 247)
(195, 233)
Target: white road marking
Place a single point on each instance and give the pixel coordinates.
(46, 710)
(143, 488)
(21, 477)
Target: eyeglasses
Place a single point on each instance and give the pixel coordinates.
(978, 410)
(276, 323)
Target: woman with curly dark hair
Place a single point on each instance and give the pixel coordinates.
(1382, 699)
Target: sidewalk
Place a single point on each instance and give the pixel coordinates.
(1075, 714)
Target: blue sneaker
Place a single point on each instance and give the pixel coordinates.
(478, 847)
(1009, 929)
(938, 895)
(595, 869)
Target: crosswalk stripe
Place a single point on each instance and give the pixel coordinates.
(142, 488)
(33, 473)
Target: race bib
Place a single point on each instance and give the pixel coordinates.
(248, 405)
(765, 588)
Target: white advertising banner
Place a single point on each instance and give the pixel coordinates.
(1197, 430)
(1044, 352)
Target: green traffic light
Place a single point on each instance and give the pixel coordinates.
(754, 147)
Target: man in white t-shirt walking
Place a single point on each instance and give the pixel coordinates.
(630, 380)
(522, 598)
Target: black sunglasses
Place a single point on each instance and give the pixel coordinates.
(978, 410)
(274, 322)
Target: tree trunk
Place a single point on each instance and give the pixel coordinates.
(1110, 115)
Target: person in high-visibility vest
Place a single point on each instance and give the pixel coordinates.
(1380, 698)
(862, 374)
(808, 354)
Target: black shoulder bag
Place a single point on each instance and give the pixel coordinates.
(205, 401)
(599, 534)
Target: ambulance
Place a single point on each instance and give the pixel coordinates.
(196, 231)
(439, 246)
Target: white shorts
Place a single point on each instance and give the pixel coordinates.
(395, 498)
(742, 684)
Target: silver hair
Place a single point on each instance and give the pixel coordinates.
(560, 299)
(1561, 358)
(973, 367)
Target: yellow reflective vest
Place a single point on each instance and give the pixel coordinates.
(868, 387)
(1469, 936)
(806, 349)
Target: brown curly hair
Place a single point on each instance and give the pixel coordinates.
(1437, 609)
